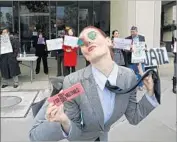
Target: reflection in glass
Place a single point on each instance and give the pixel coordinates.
(101, 15)
(66, 15)
(34, 6)
(16, 17)
(6, 17)
(33, 19)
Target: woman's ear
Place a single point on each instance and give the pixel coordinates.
(109, 41)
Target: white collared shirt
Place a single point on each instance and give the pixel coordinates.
(107, 98)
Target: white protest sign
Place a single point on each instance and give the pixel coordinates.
(6, 46)
(122, 43)
(156, 56)
(34, 33)
(54, 44)
(138, 56)
(71, 41)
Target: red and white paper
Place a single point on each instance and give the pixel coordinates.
(67, 94)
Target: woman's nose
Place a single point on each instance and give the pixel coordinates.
(89, 43)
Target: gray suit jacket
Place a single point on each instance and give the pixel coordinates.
(87, 108)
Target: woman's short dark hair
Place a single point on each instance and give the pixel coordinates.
(113, 33)
(74, 32)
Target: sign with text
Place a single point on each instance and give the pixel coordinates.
(122, 43)
(156, 56)
(138, 56)
(54, 44)
(67, 94)
(6, 46)
(71, 41)
(35, 33)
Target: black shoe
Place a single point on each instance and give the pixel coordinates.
(37, 72)
(4, 86)
(46, 73)
(174, 90)
(15, 86)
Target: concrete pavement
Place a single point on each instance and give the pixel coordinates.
(159, 126)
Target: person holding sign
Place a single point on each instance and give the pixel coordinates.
(89, 117)
(134, 66)
(174, 48)
(118, 53)
(70, 54)
(9, 66)
(41, 52)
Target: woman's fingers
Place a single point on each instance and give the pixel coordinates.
(61, 108)
(53, 113)
(50, 108)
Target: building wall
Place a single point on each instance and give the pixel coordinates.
(146, 15)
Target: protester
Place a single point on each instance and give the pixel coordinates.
(70, 54)
(135, 37)
(174, 42)
(118, 53)
(41, 52)
(8, 63)
(60, 54)
(89, 116)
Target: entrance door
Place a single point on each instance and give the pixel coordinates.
(33, 19)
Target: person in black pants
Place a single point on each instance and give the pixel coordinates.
(41, 52)
(60, 66)
(174, 44)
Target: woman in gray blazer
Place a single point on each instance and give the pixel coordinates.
(89, 116)
(118, 53)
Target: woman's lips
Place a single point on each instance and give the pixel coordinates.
(91, 48)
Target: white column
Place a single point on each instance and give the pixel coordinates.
(118, 16)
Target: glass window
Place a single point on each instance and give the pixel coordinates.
(101, 15)
(16, 17)
(85, 14)
(6, 14)
(53, 19)
(33, 19)
(66, 15)
(34, 6)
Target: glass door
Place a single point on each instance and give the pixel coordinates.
(33, 19)
(85, 17)
(63, 14)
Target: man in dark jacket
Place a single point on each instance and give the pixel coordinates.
(174, 42)
(135, 37)
(9, 66)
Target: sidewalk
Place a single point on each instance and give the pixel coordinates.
(159, 126)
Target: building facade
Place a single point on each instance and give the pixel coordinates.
(27, 17)
(20, 16)
(168, 23)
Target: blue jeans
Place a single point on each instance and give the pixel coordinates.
(135, 69)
